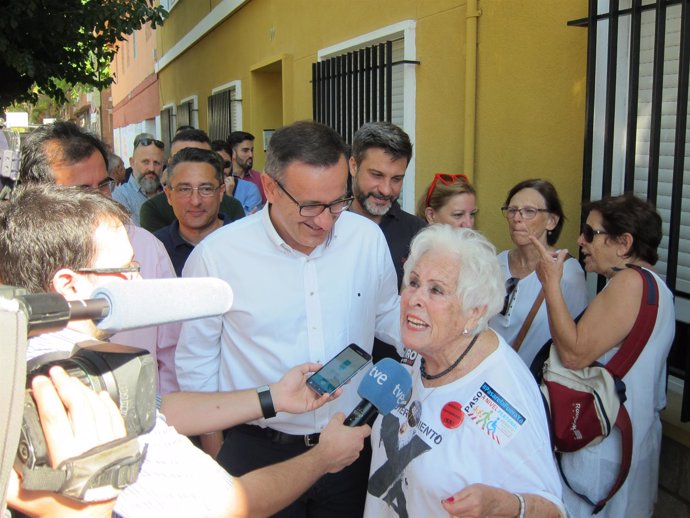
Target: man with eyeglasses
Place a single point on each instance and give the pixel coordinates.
(381, 152)
(63, 154)
(309, 278)
(144, 183)
(194, 190)
(69, 240)
(157, 213)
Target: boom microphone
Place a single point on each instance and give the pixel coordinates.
(386, 386)
(143, 303)
(131, 304)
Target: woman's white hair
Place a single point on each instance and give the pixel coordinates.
(480, 282)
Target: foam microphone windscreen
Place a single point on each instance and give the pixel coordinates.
(386, 385)
(143, 303)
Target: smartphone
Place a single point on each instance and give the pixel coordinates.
(339, 370)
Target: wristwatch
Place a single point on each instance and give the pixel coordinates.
(266, 402)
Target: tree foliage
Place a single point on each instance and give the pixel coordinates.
(46, 44)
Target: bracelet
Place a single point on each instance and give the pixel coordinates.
(521, 501)
(266, 402)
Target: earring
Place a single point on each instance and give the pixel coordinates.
(465, 332)
(549, 232)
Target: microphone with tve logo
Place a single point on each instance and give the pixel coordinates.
(386, 386)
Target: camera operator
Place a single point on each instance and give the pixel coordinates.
(69, 240)
(74, 419)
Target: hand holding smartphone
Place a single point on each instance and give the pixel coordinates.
(339, 370)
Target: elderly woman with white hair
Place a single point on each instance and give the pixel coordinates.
(473, 439)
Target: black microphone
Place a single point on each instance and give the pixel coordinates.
(126, 304)
(386, 386)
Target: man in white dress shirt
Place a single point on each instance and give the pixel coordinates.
(309, 278)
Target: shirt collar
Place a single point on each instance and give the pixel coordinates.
(278, 241)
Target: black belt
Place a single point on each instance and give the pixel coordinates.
(278, 437)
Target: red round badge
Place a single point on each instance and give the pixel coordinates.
(452, 415)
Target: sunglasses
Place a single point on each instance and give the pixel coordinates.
(227, 164)
(148, 141)
(445, 179)
(589, 233)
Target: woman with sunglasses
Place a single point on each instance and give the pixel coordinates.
(620, 231)
(450, 199)
(533, 208)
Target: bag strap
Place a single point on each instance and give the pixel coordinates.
(625, 426)
(642, 329)
(528, 321)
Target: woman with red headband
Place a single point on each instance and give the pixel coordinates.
(450, 199)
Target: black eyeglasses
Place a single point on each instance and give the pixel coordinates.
(525, 212)
(588, 233)
(511, 288)
(310, 210)
(133, 267)
(185, 191)
(148, 141)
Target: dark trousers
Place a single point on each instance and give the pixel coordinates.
(335, 495)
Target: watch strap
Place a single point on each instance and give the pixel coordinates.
(266, 402)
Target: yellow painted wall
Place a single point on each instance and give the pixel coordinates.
(530, 115)
(530, 83)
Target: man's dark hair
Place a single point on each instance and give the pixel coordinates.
(551, 199)
(192, 154)
(191, 135)
(184, 127)
(72, 145)
(47, 227)
(305, 141)
(221, 145)
(384, 135)
(237, 137)
(629, 214)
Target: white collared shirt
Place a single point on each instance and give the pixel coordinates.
(288, 308)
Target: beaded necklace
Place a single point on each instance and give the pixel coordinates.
(427, 376)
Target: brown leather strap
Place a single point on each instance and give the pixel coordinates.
(528, 321)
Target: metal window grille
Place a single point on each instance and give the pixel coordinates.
(220, 115)
(636, 132)
(167, 126)
(185, 113)
(354, 88)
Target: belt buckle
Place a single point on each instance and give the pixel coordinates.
(311, 440)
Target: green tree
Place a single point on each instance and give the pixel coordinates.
(48, 44)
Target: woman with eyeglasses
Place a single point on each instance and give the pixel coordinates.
(450, 199)
(619, 232)
(533, 208)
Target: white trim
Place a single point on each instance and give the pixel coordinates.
(366, 39)
(206, 25)
(237, 86)
(406, 29)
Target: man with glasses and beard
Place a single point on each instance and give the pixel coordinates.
(147, 165)
(381, 152)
